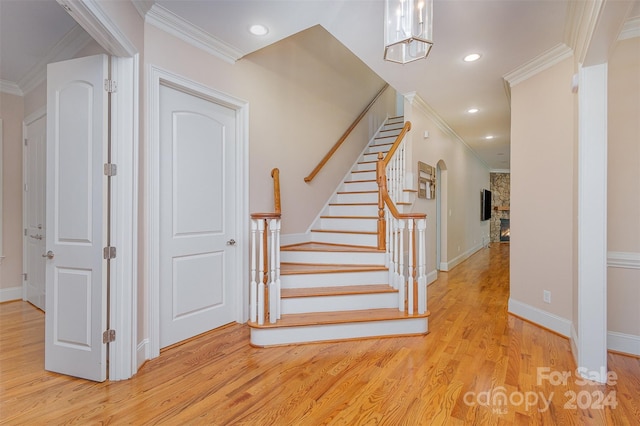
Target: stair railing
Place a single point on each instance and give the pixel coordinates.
(344, 137)
(264, 290)
(400, 233)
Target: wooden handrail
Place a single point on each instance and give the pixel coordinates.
(397, 142)
(277, 213)
(335, 147)
(275, 174)
(384, 195)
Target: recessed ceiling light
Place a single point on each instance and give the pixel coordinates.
(472, 57)
(472, 110)
(258, 30)
(489, 137)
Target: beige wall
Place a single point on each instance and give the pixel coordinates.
(542, 190)
(466, 177)
(303, 93)
(11, 112)
(623, 186)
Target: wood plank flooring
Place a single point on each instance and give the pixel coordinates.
(478, 365)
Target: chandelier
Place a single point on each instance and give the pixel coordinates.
(407, 30)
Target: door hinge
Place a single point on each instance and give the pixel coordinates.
(24, 276)
(25, 232)
(109, 336)
(110, 169)
(109, 252)
(110, 86)
(25, 142)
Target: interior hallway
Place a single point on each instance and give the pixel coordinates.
(478, 365)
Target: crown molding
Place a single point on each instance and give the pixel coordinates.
(631, 29)
(10, 88)
(171, 23)
(581, 22)
(508, 171)
(143, 6)
(415, 100)
(538, 64)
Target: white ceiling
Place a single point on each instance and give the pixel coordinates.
(508, 34)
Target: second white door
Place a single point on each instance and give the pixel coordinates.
(197, 215)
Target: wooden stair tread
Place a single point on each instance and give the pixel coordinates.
(339, 317)
(289, 268)
(337, 291)
(314, 246)
(357, 192)
(337, 231)
(360, 181)
(348, 217)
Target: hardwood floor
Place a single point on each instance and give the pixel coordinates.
(456, 375)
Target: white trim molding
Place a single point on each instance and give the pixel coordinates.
(538, 64)
(631, 29)
(545, 319)
(171, 23)
(11, 293)
(626, 260)
(447, 266)
(625, 343)
(10, 88)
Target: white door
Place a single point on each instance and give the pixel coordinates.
(76, 228)
(197, 215)
(34, 212)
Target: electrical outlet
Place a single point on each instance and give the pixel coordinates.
(546, 296)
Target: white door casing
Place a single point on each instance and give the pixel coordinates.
(76, 286)
(34, 152)
(197, 215)
(239, 276)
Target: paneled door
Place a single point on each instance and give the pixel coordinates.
(76, 230)
(34, 212)
(197, 215)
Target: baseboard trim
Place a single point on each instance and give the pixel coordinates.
(623, 343)
(432, 276)
(11, 293)
(447, 266)
(557, 324)
(142, 353)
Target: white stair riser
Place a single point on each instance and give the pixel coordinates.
(352, 210)
(334, 279)
(365, 197)
(378, 148)
(372, 157)
(330, 332)
(356, 225)
(343, 238)
(351, 302)
(333, 257)
(366, 166)
(369, 175)
(359, 186)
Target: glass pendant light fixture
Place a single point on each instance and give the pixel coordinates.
(408, 27)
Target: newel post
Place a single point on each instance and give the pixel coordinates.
(382, 182)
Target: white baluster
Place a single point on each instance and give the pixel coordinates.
(253, 287)
(410, 270)
(422, 259)
(261, 272)
(277, 280)
(273, 309)
(401, 279)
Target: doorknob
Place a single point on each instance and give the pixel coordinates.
(48, 255)
(231, 242)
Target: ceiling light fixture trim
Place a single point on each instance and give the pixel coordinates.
(258, 30)
(472, 57)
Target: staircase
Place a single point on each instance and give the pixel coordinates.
(337, 285)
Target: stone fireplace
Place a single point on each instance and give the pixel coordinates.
(500, 194)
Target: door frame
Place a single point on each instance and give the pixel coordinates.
(122, 314)
(26, 122)
(157, 77)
